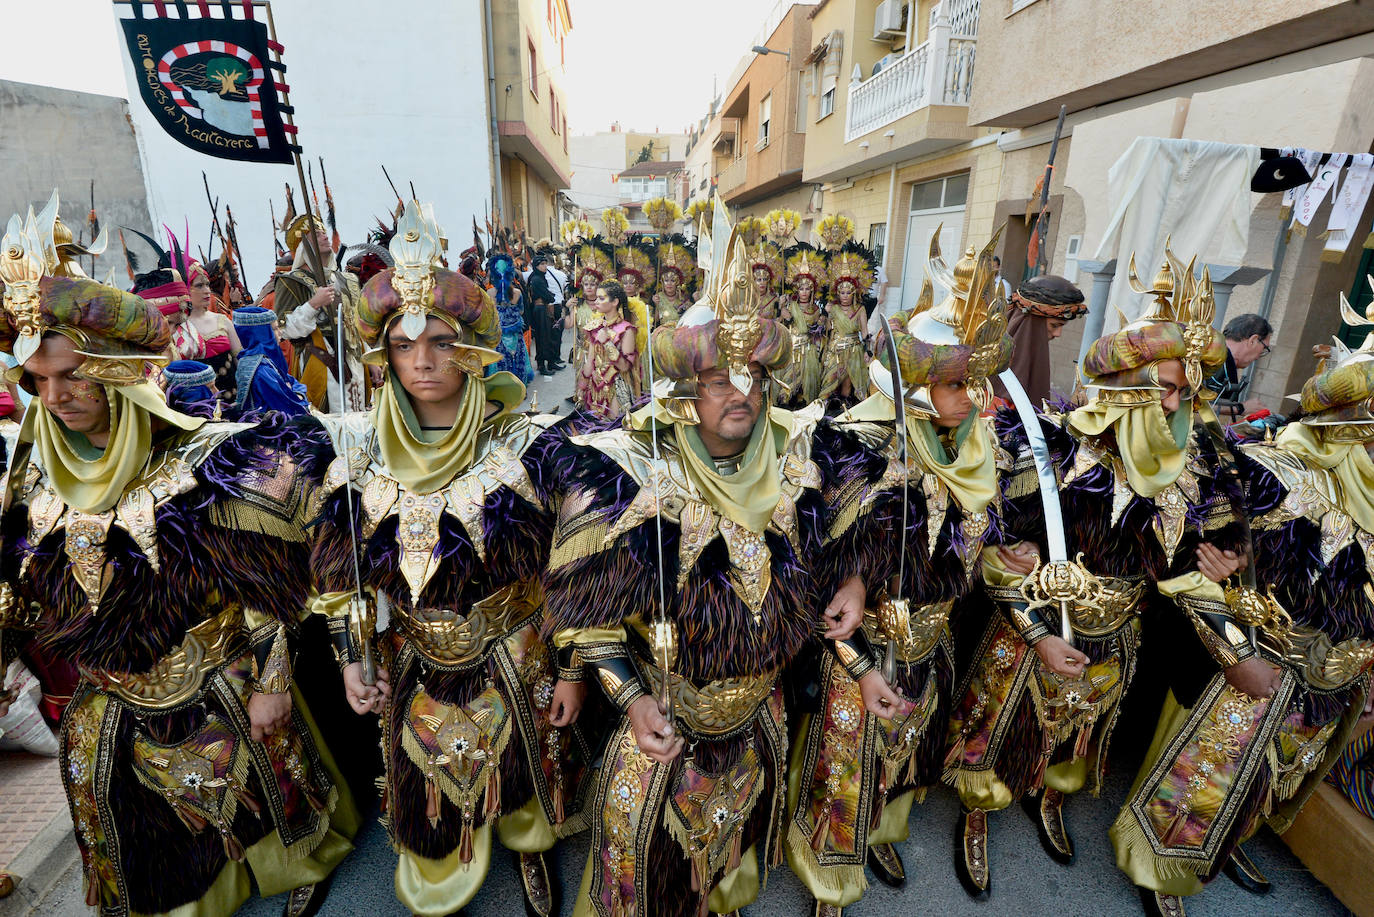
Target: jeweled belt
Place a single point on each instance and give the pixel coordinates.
(716, 708)
(915, 632)
(178, 676)
(448, 638)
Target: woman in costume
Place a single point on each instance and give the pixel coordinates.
(449, 511)
(262, 382)
(1224, 761)
(608, 381)
(216, 329)
(856, 775)
(165, 556)
(510, 306)
(693, 663)
(1034, 715)
(806, 279)
(594, 261)
(165, 288)
(845, 361)
(766, 270)
(677, 263)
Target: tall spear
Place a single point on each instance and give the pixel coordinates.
(276, 243)
(1037, 258)
(234, 244)
(329, 208)
(93, 224)
(215, 229)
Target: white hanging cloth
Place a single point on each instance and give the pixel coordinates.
(1350, 202)
(1197, 192)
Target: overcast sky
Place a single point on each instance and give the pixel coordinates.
(648, 64)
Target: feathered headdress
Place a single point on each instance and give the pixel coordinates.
(574, 232)
(781, 225)
(834, 231)
(856, 264)
(768, 256)
(593, 258)
(615, 223)
(750, 229)
(635, 259)
(805, 262)
(662, 213)
(699, 209)
(677, 256)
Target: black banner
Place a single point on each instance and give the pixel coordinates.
(209, 83)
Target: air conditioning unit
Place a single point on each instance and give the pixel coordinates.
(887, 19)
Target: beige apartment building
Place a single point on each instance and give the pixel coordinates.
(760, 133)
(529, 109)
(888, 141)
(1273, 74)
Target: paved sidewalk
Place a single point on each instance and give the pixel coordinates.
(31, 796)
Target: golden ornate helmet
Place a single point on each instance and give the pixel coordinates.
(964, 338)
(118, 333)
(296, 229)
(417, 288)
(834, 231)
(662, 213)
(1176, 325)
(1339, 398)
(723, 330)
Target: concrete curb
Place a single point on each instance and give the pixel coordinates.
(41, 865)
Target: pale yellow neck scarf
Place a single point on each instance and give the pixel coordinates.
(90, 479)
(1348, 462)
(424, 461)
(1153, 447)
(750, 495)
(971, 476)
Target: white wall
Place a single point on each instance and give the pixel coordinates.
(594, 159)
(406, 89)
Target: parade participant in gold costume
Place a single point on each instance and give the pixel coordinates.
(691, 795)
(435, 518)
(1226, 758)
(308, 310)
(856, 775)
(852, 276)
(677, 266)
(609, 379)
(593, 262)
(802, 314)
(1035, 713)
(165, 557)
(766, 270)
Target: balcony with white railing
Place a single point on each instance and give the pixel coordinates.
(939, 71)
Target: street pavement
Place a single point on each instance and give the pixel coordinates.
(1025, 880)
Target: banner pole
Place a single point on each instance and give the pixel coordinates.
(312, 247)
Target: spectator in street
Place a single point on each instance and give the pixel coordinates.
(1037, 313)
(557, 280)
(1247, 339)
(540, 311)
